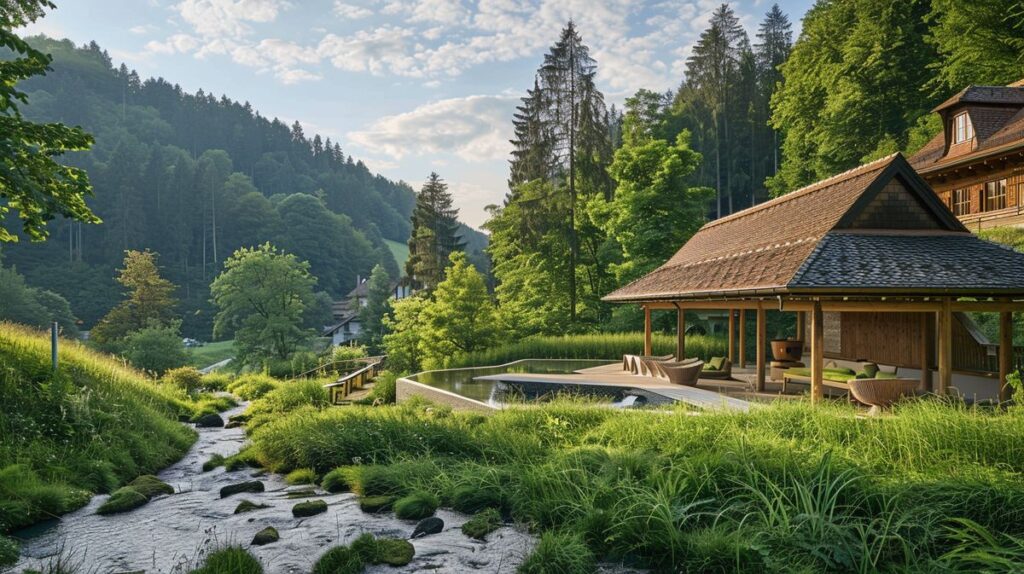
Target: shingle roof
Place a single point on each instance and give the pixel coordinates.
(1012, 95)
(797, 242)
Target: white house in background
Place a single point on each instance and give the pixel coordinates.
(345, 312)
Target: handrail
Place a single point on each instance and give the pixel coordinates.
(332, 365)
(345, 384)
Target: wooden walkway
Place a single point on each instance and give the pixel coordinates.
(716, 397)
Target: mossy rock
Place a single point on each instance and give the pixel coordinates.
(482, 524)
(416, 505)
(339, 560)
(336, 480)
(150, 486)
(374, 504)
(247, 486)
(309, 508)
(233, 424)
(301, 493)
(213, 462)
(230, 560)
(428, 526)
(266, 536)
(249, 506)
(210, 420)
(124, 499)
(393, 552)
(240, 418)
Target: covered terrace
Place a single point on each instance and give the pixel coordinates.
(874, 266)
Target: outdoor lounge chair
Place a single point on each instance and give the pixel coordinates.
(636, 362)
(686, 374)
(882, 393)
(657, 367)
(723, 372)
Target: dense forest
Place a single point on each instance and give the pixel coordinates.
(193, 177)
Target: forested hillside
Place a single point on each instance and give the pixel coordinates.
(193, 177)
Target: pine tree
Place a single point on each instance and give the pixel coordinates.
(775, 41)
(532, 155)
(435, 236)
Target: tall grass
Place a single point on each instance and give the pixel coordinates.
(609, 346)
(784, 488)
(90, 427)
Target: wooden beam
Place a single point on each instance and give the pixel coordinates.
(817, 353)
(762, 342)
(799, 325)
(743, 338)
(1005, 354)
(732, 335)
(892, 305)
(944, 325)
(680, 334)
(927, 352)
(647, 331)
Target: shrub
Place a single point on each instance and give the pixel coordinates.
(384, 389)
(415, 505)
(339, 560)
(347, 353)
(187, 379)
(291, 395)
(252, 386)
(336, 480)
(156, 348)
(482, 524)
(309, 508)
(8, 551)
(25, 498)
(216, 381)
(559, 553)
(301, 476)
(124, 499)
(471, 499)
(230, 560)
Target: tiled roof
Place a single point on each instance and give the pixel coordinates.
(1011, 95)
(798, 242)
(997, 114)
(939, 261)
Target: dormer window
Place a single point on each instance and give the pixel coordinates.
(962, 128)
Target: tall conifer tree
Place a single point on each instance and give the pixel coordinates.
(435, 236)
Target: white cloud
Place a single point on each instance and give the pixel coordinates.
(351, 11)
(228, 18)
(175, 44)
(142, 29)
(473, 128)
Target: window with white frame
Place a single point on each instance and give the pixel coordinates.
(963, 130)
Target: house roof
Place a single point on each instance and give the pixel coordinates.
(878, 227)
(350, 318)
(994, 95)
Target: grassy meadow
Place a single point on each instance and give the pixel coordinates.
(786, 488)
(211, 353)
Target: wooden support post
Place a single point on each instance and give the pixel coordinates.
(945, 329)
(817, 352)
(743, 339)
(927, 353)
(680, 334)
(647, 331)
(799, 326)
(762, 342)
(1005, 353)
(732, 336)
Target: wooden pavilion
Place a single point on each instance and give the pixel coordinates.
(869, 259)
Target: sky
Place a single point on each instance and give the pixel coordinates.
(407, 86)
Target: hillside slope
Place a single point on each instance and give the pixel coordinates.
(88, 429)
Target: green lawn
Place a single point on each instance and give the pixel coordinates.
(400, 251)
(211, 353)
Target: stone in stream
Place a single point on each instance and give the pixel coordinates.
(249, 506)
(233, 424)
(374, 504)
(266, 536)
(150, 486)
(211, 420)
(428, 526)
(248, 486)
(309, 508)
(122, 500)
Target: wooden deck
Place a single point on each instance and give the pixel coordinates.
(708, 394)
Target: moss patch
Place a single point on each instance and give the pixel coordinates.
(309, 508)
(416, 505)
(150, 486)
(482, 523)
(213, 462)
(231, 560)
(249, 506)
(336, 480)
(124, 499)
(266, 536)
(374, 504)
(391, 551)
(339, 560)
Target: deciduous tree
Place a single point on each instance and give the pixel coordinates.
(149, 300)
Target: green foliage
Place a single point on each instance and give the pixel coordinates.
(372, 314)
(1014, 380)
(261, 296)
(392, 551)
(482, 523)
(384, 389)
(122, 500)
(230, 560)
(216, 381)
(405, 332)
(149, 301)
(654, 211)
(187, 379)
(416, 505)
(156, 348)
(559, 553)
(211, 353)
(461, 317)
(252, 386)
(434, 233)
(213, 462)
(150, 486)
(309, 508)
(1008, 236)
(993, 54)
(374, 504)
(9, 551)
(88, 428)
(301, 476)
(31, 180)
(20, 303)
(608, 346)
(285, 397)
(339, 560)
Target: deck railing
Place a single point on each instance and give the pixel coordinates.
(984, 358)
(340, 389)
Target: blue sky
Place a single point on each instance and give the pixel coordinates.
(408, 86)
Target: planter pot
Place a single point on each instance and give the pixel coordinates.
(787, 350)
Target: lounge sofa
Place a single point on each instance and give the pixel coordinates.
(837, 374)
(717, 368)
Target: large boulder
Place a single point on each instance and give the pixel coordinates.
(211, 420)
(247, 486)
(122, 500)
(428, 526)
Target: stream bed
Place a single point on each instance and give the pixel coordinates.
(172, 533)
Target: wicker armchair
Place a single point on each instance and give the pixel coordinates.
(657, 368)
(684, 374)
(882, 393)
(637, 365)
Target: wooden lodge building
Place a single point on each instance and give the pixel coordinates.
(976, 164)
(872, 261)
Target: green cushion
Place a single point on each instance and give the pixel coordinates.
(833, 374)
(885, 375)
(716, 363)
(870, 369)
(862, 375)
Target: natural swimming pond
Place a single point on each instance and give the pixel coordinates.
(467, 383)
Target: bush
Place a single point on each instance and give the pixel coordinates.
(25, 498)
(291, 395)
(339, 560)
(336, 480)
(559, 553)
(415, 505)
(343, 353)
(156, 349)
(188, 379)
(216, 381)
(301, 476)
(252, 386)
(231, 560)
(8, 551)
(482, 524)
(384, 389)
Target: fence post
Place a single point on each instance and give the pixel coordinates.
(53, 345)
